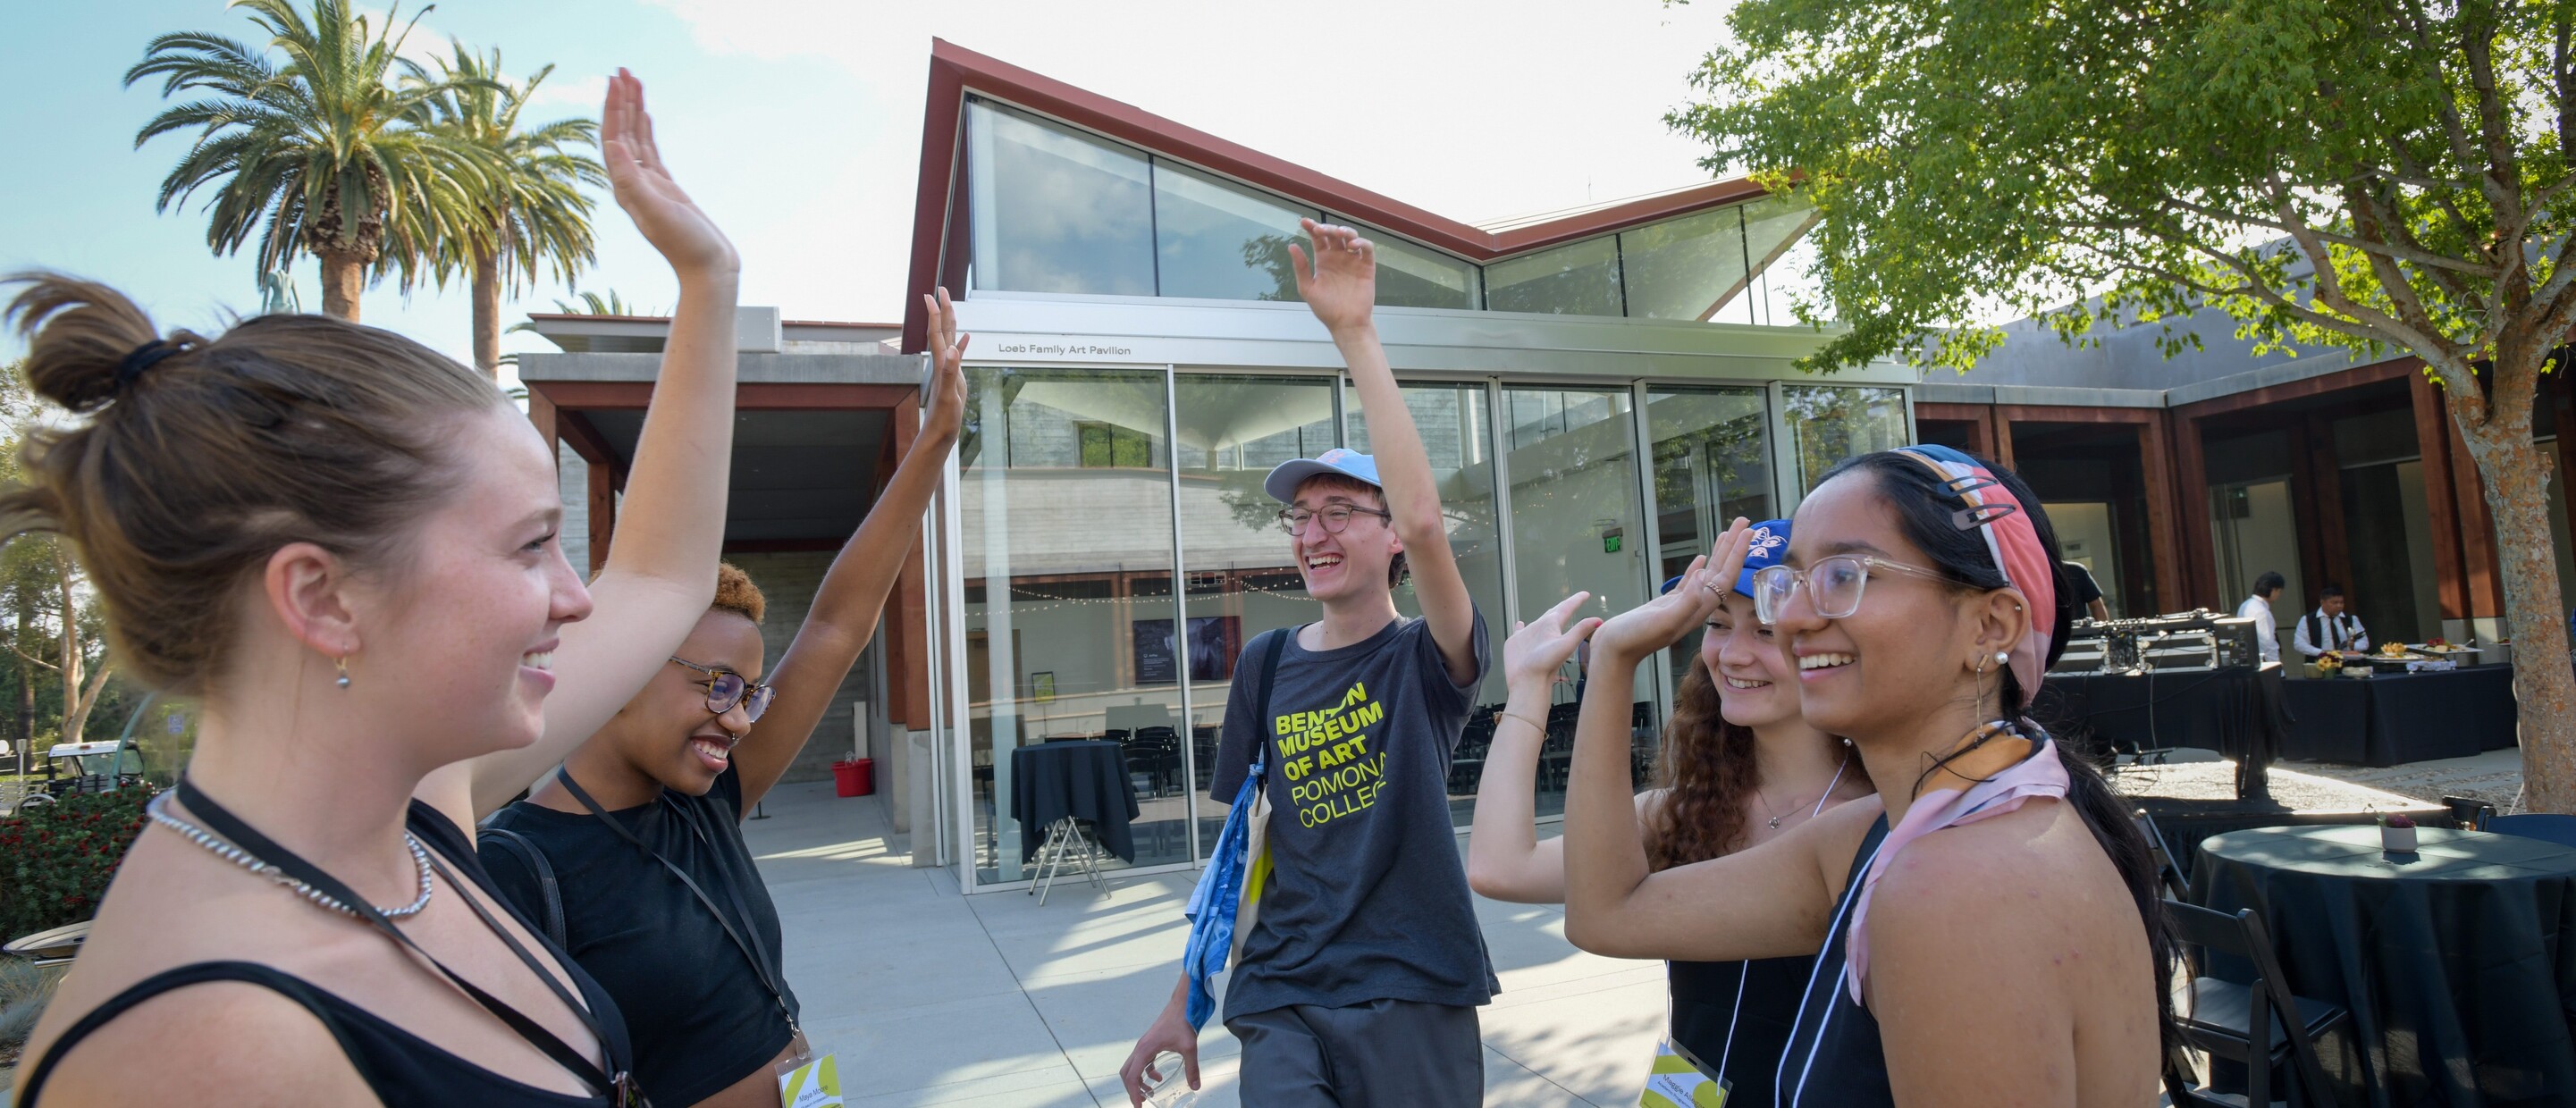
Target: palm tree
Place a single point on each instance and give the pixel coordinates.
(330, 154)
(530, 214)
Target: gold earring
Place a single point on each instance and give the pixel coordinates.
(342, 663)
(1981, 666)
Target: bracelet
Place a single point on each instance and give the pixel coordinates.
(1534, 725)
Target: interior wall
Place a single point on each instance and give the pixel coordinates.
(2086, 536)
(788, 582)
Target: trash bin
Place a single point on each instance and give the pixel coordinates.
(854, 776)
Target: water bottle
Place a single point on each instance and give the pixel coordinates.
(1174, 1090)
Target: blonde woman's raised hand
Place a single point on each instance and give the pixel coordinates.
(643, 186)
(1538, 649)
(1339, 282)
(945, 410)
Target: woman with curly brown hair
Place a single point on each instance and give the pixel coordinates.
(1739, 767)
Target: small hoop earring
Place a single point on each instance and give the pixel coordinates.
(342, 664)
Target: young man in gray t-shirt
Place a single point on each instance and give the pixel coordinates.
(1360, 981)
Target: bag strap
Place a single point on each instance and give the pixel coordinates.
(1269, 677)
(745, 938)
(549, 892)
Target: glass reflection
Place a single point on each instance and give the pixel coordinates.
(1678, 269)
(1829, 423)
(1580, 279)
(1410, 276)
(1242, 569)
(1068, 596)
(1456, 428)
(1575, 527)
(1712, 465)
(1218, 240)
(1053, 210)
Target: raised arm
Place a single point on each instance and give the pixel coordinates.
(1505, 859)
(660, 573)
(853, 592)
(1340, 286)
(1769, 901)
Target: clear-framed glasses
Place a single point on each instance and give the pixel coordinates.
(1336, 517)
(725, 688)
(1834, 585)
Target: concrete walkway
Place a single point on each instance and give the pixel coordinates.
(930, 997)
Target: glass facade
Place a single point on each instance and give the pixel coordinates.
(1055, 210)
(1712, 464)
(1240, 566)
(1578, 279)
(1069, 629)
(1052, 209)
(1222, 241)
(1085, 497)
(1828, 423)
(1410, 276)
(1456, 425)
(1576, 526)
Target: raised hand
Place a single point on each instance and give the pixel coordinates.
(1538, 649)
(1340, 282)
(945, 411)
(668, 219)
(1661, 622)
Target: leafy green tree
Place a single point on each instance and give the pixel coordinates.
(331, 153)
(2380, 177)
(531, 217)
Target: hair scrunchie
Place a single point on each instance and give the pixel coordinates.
(142, 358)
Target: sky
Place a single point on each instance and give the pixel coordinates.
(797, 123)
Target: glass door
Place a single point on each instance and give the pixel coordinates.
(1712, 464)
(1576, 526)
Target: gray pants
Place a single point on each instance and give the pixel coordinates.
(1382, 1054)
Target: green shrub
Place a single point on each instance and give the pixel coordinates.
(55, 860)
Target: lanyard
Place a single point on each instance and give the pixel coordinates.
(745, 938)
(619, 1089)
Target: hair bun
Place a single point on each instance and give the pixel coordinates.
(81, 336)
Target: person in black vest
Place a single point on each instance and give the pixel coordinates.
(632, 854)
(2330, 627)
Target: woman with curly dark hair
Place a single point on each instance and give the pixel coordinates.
(1739, 766)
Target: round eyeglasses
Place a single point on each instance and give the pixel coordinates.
(1337, 518)
(1834, 585)
(725, 688)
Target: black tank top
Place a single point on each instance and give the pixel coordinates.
(1834, 1058)
(404, 1070)
(1736, 1016)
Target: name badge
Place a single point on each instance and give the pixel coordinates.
(807, 1080)
(1679, 1081)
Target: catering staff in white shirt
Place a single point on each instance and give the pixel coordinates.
(2267, 631)
(2330, 627)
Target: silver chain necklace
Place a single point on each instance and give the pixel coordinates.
(1820, 801)
(158, 809)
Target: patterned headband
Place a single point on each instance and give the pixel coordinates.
(2012, 540)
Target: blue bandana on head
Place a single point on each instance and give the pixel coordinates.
(1770, 544)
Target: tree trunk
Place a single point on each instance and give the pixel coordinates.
(487, 315)
(2516, 472)
(344, 274)
(70, 665)
(26, 728)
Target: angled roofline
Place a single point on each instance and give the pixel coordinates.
(956, 71)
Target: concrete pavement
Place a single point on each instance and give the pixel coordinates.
(931, 997)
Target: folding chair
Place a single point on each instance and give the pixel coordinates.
(2547, 828)
(2168, 869)
(2469, 814)
(2226, 1019)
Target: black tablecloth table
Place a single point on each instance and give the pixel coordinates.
(1085, 780)
(2458, 962)
(2235, 711)
(2393, 718)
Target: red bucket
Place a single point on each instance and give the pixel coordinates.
(854, 776)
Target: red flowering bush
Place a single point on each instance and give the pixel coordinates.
(55, 859)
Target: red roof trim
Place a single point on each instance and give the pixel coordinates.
(955, 71)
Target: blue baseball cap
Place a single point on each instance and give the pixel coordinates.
(1770, 542)
(1283, 480)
